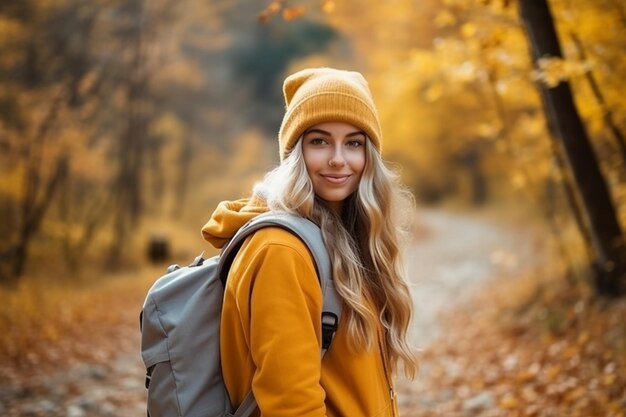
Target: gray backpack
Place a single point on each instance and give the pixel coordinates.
(180, 324)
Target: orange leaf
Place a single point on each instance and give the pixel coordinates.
(264, 16)
(291, 13)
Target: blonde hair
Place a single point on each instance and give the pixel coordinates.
(364, 246)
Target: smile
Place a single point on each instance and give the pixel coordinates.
(336, 179)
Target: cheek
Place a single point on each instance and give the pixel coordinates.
(312, 160)
(357, 163)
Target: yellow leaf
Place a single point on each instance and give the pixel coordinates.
(445, 19)
(608, 379)
(328, 6)
(551, 71)
(468, 30)
(509, 402)
(518, 180)
(274, 7)
(433, 93)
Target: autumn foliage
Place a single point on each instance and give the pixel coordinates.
(126, 119)
(107, 124)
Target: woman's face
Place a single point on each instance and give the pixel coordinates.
(334, 154)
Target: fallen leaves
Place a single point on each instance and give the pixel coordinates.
(566, 356)
(48, 327)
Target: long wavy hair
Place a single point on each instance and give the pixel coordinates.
(364, 246)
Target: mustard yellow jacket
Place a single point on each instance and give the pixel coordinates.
(271, 331)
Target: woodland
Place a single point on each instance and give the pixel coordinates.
(124, 122)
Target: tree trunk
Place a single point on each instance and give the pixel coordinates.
(128, 187)
(18, 253)
(567, 128)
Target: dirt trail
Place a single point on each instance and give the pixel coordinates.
(452, 257)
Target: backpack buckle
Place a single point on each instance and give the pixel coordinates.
(149, 376)
(199, 260)
(330, 322)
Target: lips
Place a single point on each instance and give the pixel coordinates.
(336, 178)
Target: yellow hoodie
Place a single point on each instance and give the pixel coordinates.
(271, 331)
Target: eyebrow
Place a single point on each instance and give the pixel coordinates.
(358, 132)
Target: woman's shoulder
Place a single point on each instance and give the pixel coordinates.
(276, 238)
(276, 248)
(276, 255)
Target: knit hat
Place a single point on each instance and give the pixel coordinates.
(321, 95)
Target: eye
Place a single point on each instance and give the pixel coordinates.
(355, 143)
(317, 141)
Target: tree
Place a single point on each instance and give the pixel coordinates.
(36, 155)
(569, 131)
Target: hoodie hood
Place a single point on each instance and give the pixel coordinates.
(228, 217)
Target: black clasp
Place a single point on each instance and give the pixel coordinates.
(149, 376)
(330, 322)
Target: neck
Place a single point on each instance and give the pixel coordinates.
(335, 206)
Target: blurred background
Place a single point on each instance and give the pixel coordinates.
(124, 122)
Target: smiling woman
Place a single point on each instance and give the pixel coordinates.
(332, 173)
(334, 155)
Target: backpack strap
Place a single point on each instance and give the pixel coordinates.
(247, 406)
(311, 235)
(305, 229)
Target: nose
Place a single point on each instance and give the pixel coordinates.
(337, 159)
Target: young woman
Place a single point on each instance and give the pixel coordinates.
(331, 172)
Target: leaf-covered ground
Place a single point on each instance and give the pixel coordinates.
(504, 334)
(73, 350)
(526, 348)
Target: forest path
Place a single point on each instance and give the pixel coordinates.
(451, 257)
(454, 256)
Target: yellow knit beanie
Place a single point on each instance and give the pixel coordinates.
(321, 95)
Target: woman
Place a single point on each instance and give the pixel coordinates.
(331, 172)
